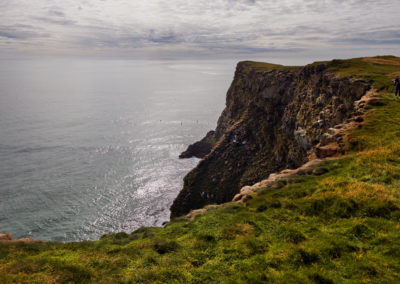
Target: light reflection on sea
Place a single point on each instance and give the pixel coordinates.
(89, 147)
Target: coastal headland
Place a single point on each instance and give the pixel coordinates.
(298, 183)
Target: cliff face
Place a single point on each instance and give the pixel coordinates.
(273, 119)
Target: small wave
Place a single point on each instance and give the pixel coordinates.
(210, 73)
(35, 149)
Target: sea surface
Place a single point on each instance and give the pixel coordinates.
(89, 147)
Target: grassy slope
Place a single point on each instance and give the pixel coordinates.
(342, 226)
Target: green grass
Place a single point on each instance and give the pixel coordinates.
(263, 66)
(339, 227)
(381, 69)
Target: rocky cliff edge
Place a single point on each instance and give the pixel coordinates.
(275, 118)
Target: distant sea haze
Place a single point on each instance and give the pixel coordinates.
(89, 147)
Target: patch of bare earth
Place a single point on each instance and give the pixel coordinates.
(395, 62)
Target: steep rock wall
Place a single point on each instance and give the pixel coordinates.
(272, 120)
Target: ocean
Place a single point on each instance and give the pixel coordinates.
(90, 147)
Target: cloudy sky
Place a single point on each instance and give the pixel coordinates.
(199, 28)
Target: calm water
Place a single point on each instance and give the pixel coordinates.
(89, 147)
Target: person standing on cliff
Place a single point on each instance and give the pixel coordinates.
(397, 84)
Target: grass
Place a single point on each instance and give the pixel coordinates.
(380, 70)
(339, 227)
(263, 66)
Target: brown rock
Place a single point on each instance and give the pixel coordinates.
(5, 236)
(375, 101)
(358, 119)
(329, 150)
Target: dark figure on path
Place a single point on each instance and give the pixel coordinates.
(397, 84)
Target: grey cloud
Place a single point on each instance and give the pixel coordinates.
(171, 38)
(381, 36)
(241, 2)
(56, 13)
(109, 39)
(372, 41)
(237, 49)
(13, 35)
(204, 26)
(56, 21)
(20, 32)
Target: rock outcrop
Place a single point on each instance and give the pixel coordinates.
(200, 148)
(6, 238)
(277, 180)
(273, 120)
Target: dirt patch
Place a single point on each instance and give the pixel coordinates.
(395, 62)
(394, 75)
(193, 213)
(243, 230)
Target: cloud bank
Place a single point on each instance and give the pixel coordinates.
(199, 29)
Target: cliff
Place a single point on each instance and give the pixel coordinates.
(332, 220)
(275, 118)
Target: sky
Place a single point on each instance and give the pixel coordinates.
(182, 29)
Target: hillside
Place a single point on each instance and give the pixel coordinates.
(337, 222)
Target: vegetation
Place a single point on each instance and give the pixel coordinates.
(263, 66)
(341, 226)
(380, 69)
